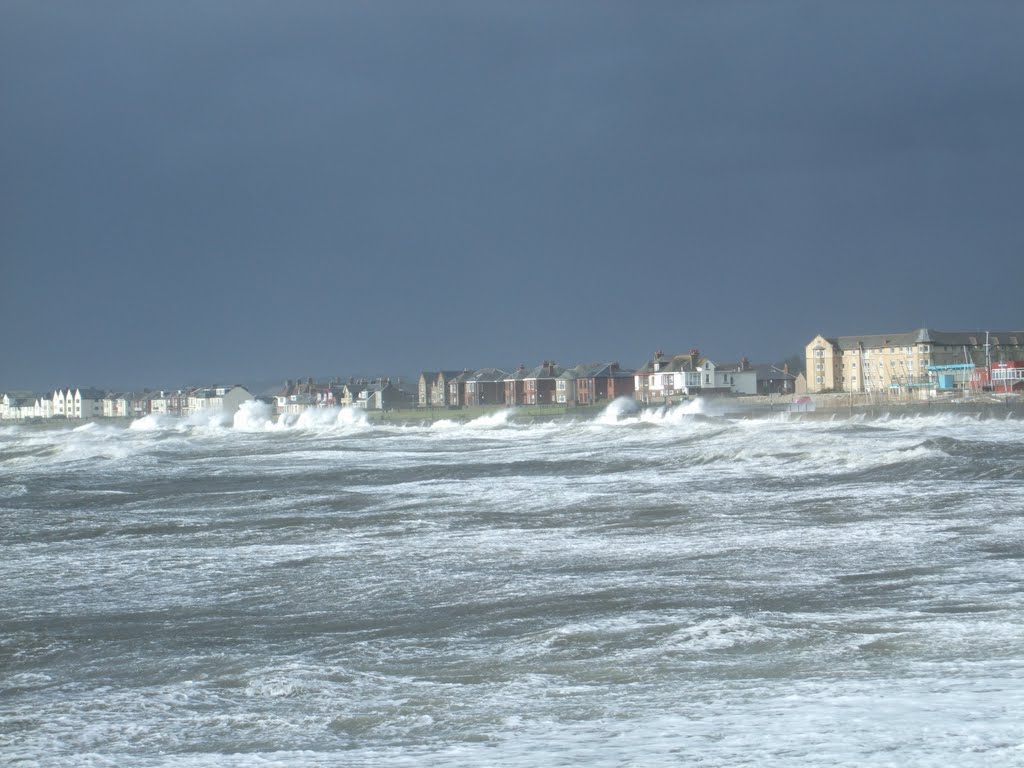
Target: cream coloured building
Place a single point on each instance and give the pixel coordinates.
(217, 399)
(899, 361)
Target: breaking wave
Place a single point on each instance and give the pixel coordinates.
(256, 416)
(501, 418)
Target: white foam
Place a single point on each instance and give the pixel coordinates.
(10, 491)
(352, 417)
(618, 409)
(496, 419)
(253, 416)
(555, 612)
(674, 414)
(502, 418)
(154, 422)
(210, 418)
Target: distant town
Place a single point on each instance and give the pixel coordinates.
(915, 365)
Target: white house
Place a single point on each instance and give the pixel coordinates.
(736, 378)
(44, 407)
(59, 404)
(295, 404)
(378, 396)
(88, 403)
(13, 407)
(158, 403)
(118, 406)
(667, 376)
(218, 399)
(77, 403)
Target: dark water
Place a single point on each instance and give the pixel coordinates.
(673, 590)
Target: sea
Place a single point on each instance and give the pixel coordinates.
(670, 587)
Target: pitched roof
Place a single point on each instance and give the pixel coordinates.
(594, 370)
(518, 374)
(545, 371)
(739, 367)
(668, 364)
(928, 336)
(769, 372)
(488, 374)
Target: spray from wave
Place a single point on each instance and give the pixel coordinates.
(209, 418)
(617, 410)
(256, 416)
(154, 422)
(676, 414)
(502, 418)
(624, 410)
(253, 416)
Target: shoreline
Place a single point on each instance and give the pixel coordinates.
(825, 407)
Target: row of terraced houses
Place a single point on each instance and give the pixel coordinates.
(88, 403)
(919, 363)
(662, 377)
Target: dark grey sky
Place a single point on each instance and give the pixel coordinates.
(198, 191)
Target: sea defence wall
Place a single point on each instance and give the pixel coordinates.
(838, 405)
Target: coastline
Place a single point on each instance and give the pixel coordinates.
(830, 406)
(838, 404)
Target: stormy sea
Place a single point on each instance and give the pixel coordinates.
(658, 588)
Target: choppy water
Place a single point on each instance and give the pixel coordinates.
(669, 590)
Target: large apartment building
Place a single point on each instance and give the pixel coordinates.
(896, 361)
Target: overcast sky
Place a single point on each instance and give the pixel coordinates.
(208, 191)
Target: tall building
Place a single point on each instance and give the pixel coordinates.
(895, 361)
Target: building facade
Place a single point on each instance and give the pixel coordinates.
(882, 363)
